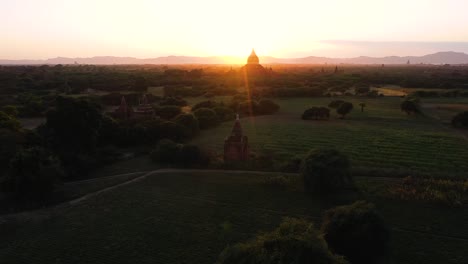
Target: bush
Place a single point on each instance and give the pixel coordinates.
(356, 231)
(33, 175)
(294, 241)
(324, 171)
(460, 120)
(206, 117)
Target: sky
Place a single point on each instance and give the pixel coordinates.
(40, 29)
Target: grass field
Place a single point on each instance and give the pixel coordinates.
(179, 218)
(382, 136)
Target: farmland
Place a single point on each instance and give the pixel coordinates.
(189, 217)
(381, 136)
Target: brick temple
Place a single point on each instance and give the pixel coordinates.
(236, 146)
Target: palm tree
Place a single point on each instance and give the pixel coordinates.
(362, 105)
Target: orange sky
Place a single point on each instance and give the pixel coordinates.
(36, 29)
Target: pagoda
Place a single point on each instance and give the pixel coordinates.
(236, 146)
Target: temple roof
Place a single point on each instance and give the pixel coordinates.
(253, 58)
(237, 128)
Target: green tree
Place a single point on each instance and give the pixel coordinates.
(168, 112)
(9, 122)
(190, 122)
(206, 117)
(410, 106)
(166, 151)
(344, 109)
(325, 171)
(34, 174)
(10, 110)
(356, 231)
(460, 120)
(295, 241)
(267, 107)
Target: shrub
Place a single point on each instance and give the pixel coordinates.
(294, 241)
(325, 170)
(460, 120)
(356, 231)
(33, 175)
(206, 117)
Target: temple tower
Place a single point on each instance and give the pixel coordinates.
(236, 147)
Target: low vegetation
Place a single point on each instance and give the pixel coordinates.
(294, 241)
(356, 232)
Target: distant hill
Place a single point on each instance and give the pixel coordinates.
(436, 58)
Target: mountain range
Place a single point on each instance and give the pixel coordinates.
(449, 57)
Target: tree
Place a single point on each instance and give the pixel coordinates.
(335, 103)
(410, 106)
(33, 175)
(206, 117)
(10, 110)
(72, 131)
(166, 151)
(205, 104)
(9, 122)
(344, 109)
(356, 231)
(190, 122)
(224, 113)
(294, 241)
(362, 89)
(460, 120)
(324, 171)
(74, 124)
(362, 105)
(168, 112)
(267, 107)
(316, 113)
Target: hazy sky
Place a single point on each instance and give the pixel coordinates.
(38, 29)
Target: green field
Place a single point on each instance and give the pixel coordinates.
(382, 136)
(177, 217)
